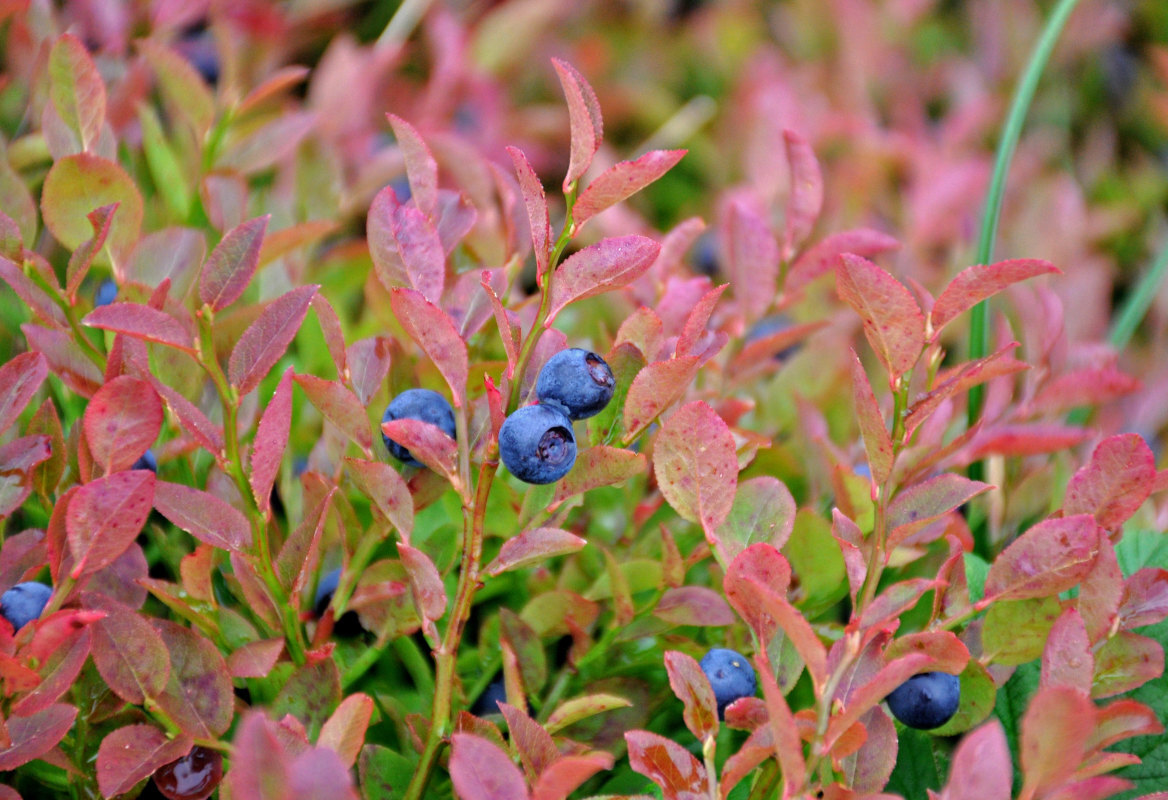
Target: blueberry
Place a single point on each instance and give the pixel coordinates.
(192, 777)
(730, 674)
(578, 381)
(348, 625)
(146, 461)
(107, 292)
(926, 701)
(24, 602)
(420, 404)
(496, 692)
(704, 255)
(537, 444)
(769, 326)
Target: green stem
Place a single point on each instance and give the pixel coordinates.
(1137, 304)
(1011, 131)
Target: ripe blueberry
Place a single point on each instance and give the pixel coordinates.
(192, 777)
(926, 701)
(420, 404)
(496, 692)
(24, 602)
(107, 292)
(578, 381)
(730, 674)
(537, 444)
(146, 461)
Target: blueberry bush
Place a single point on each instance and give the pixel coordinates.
(528, 400)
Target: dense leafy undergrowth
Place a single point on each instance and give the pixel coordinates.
(218, 269)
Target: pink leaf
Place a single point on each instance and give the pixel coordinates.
(266, 339)
(621, 181)
(695, 324)
(104, 516)
(893, 322)
(38, 302)
(203, 515)
(696, 465)
(425, 582)
(584, 118)
(874, 690)
(18, 458)
(806, 197)
(1025, 439)
(481, 771)
(1055, 730)
(1115, 482)
(271, 439)
(1067, 659)
(655, 388)
(231, 265)
(133, 752)
(368, 364)
(535, 746)
(928, 500)
(121, 422)
(405, 245)
(752, 259)
(180, 84)
(877, 442)
(141, 322)
(786, 743)
(1144, 599)
(1051, 557)
(762, 564)
(435, 333)
(564, 775)
(692, 687)
(794, 625)
(1102, 591)
(340, 407)
(974, 284)
(1091, 386)
(958, 380)
(537, 210)
(19, 380)
(1121, 720)
(763, 511)
(66, 358)
(667, 764)
(421, 169)
(981, 767)
(609, 264)
(344, 731)
(823, 256)
(35, 735)
(532, 547)
(949, 653)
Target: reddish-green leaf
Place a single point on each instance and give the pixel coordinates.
(587, 125)
(334, 336)
(18, 459)
(537, 210)
(344, 731)
(924, 502)
(874, 690)
(66, 358)
(693, 605)
(368, 363)
(1015, 631)
(532, 547)
(622, 181)
(877, 442)
(104, 516)
(974, 284)
(311, 694)
(786, 744)
(174, 253)
(384, 486)
(121, 422)
(129, 654)
(794, 625)
(981, 767)
(752, 258)
(949, 653)
(340, 407)
(696, 465)
(255, 659)
(38, 302)
(692, 688)
(609, 264)
(579, 708)
(823, 256)
(19, 380)
(35, 735)
(46, 422)
(655, 388)
(1124, 662)
(270, 441)
(763, 511)
(1120, 720)
(181, 85)
(405, 245)
(203, 515)
(667, 764)
(435, 333)
(82, 258)
(481, 771)
(421, 168)
(1144, 599)
(132, 753)
(76, 89)
(765, 565)
(198, 695)
(141, 322)
(231, 265)
(425, 583)
(1115, 482)
(1055, 730)
(266, 339)
(893, 322)
(79, 183)
(536, 748)
(598, 466)
(1067, 659)
(1049, 558)
(806, 197)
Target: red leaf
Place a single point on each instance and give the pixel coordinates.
(532, 547)
(877, 442)
(76, 89)
(1025, 440)
(481, 771)
(566, 774)
(198, 696)
(981, 767)
(823, 256)
(1049, 558)
(203, 515)
(299, 555)
(141, 322)
(38, 302)
(121, 422)
(428, 444)
(193, 420)
(893, 322)
(949, 653)
(344, 731)
(609, 264)
(35, 735)
(1115, 482)
(18, 459)
(667, 764)
(788, 747)
(421, 169)
(1145, 598)
(806, 197)
(974, 284)
(893, 601)
(266, 339)
(696, 465)
(1102, 591)
(82, 258)
(1067, 659)
(763, 564)
(598, 466)
(535, 746)
(1121, 720)
(66, 358)
(584, 118)
(537, 210)
(368, 364)
(231, 265)
(105, 516)
(1124, 662)
(693, 605)
(130, 656)
(1055, 730)
(655, 388)
(255, 659)
(435, 333)
(959, 380)
(340, 407)
(752, 259)
(763, 511)
(794, 625)
(695, 324)
(390, 496)
(334, 337)
(873, 691)
(19, 380)
(692, 687)
(405, 245)
(622, 181)
(131, 753)
(1092, 386)
(425, 582)
(924, 502)
(270, 441)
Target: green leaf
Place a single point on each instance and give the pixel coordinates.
(921, 764)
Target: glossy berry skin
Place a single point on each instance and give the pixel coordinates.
(578, 381)
(420, 404)
(537, 444)
(146, 461)
(926, 701)
(731, 676)
(24, 602)
(107, 292)
(192, 777)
